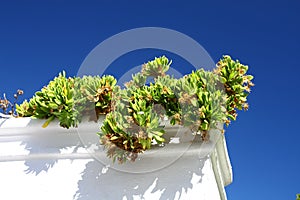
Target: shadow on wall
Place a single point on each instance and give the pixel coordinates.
(47, 147)
(101, 182)
(98, 181)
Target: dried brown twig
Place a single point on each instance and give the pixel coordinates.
(7, 107)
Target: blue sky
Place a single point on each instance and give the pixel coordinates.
(38, 39)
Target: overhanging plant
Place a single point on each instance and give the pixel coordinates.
(69, 99)
(199, 100)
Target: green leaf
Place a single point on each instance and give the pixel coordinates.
(231, 75)
(53, 105)
(48, 121)
(114, 137)
(158, 133)
(204, 126)
(158, 139)
(250, 77)
(231, 117)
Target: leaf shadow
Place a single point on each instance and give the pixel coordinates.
(170, 182)
(46, 146)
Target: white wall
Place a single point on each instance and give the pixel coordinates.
(56, 163)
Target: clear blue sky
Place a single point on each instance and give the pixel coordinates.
(38, 39)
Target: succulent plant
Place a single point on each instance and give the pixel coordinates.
(133, 124)
(53, 101)
(93, 95)
(199, 100)
(69, 99)
(202, 102)
(237, 85)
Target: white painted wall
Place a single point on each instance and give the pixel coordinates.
(56, 163)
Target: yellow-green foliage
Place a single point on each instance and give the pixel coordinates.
(199, 100)
(68, 99)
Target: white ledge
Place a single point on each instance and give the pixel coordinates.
(24, 139)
